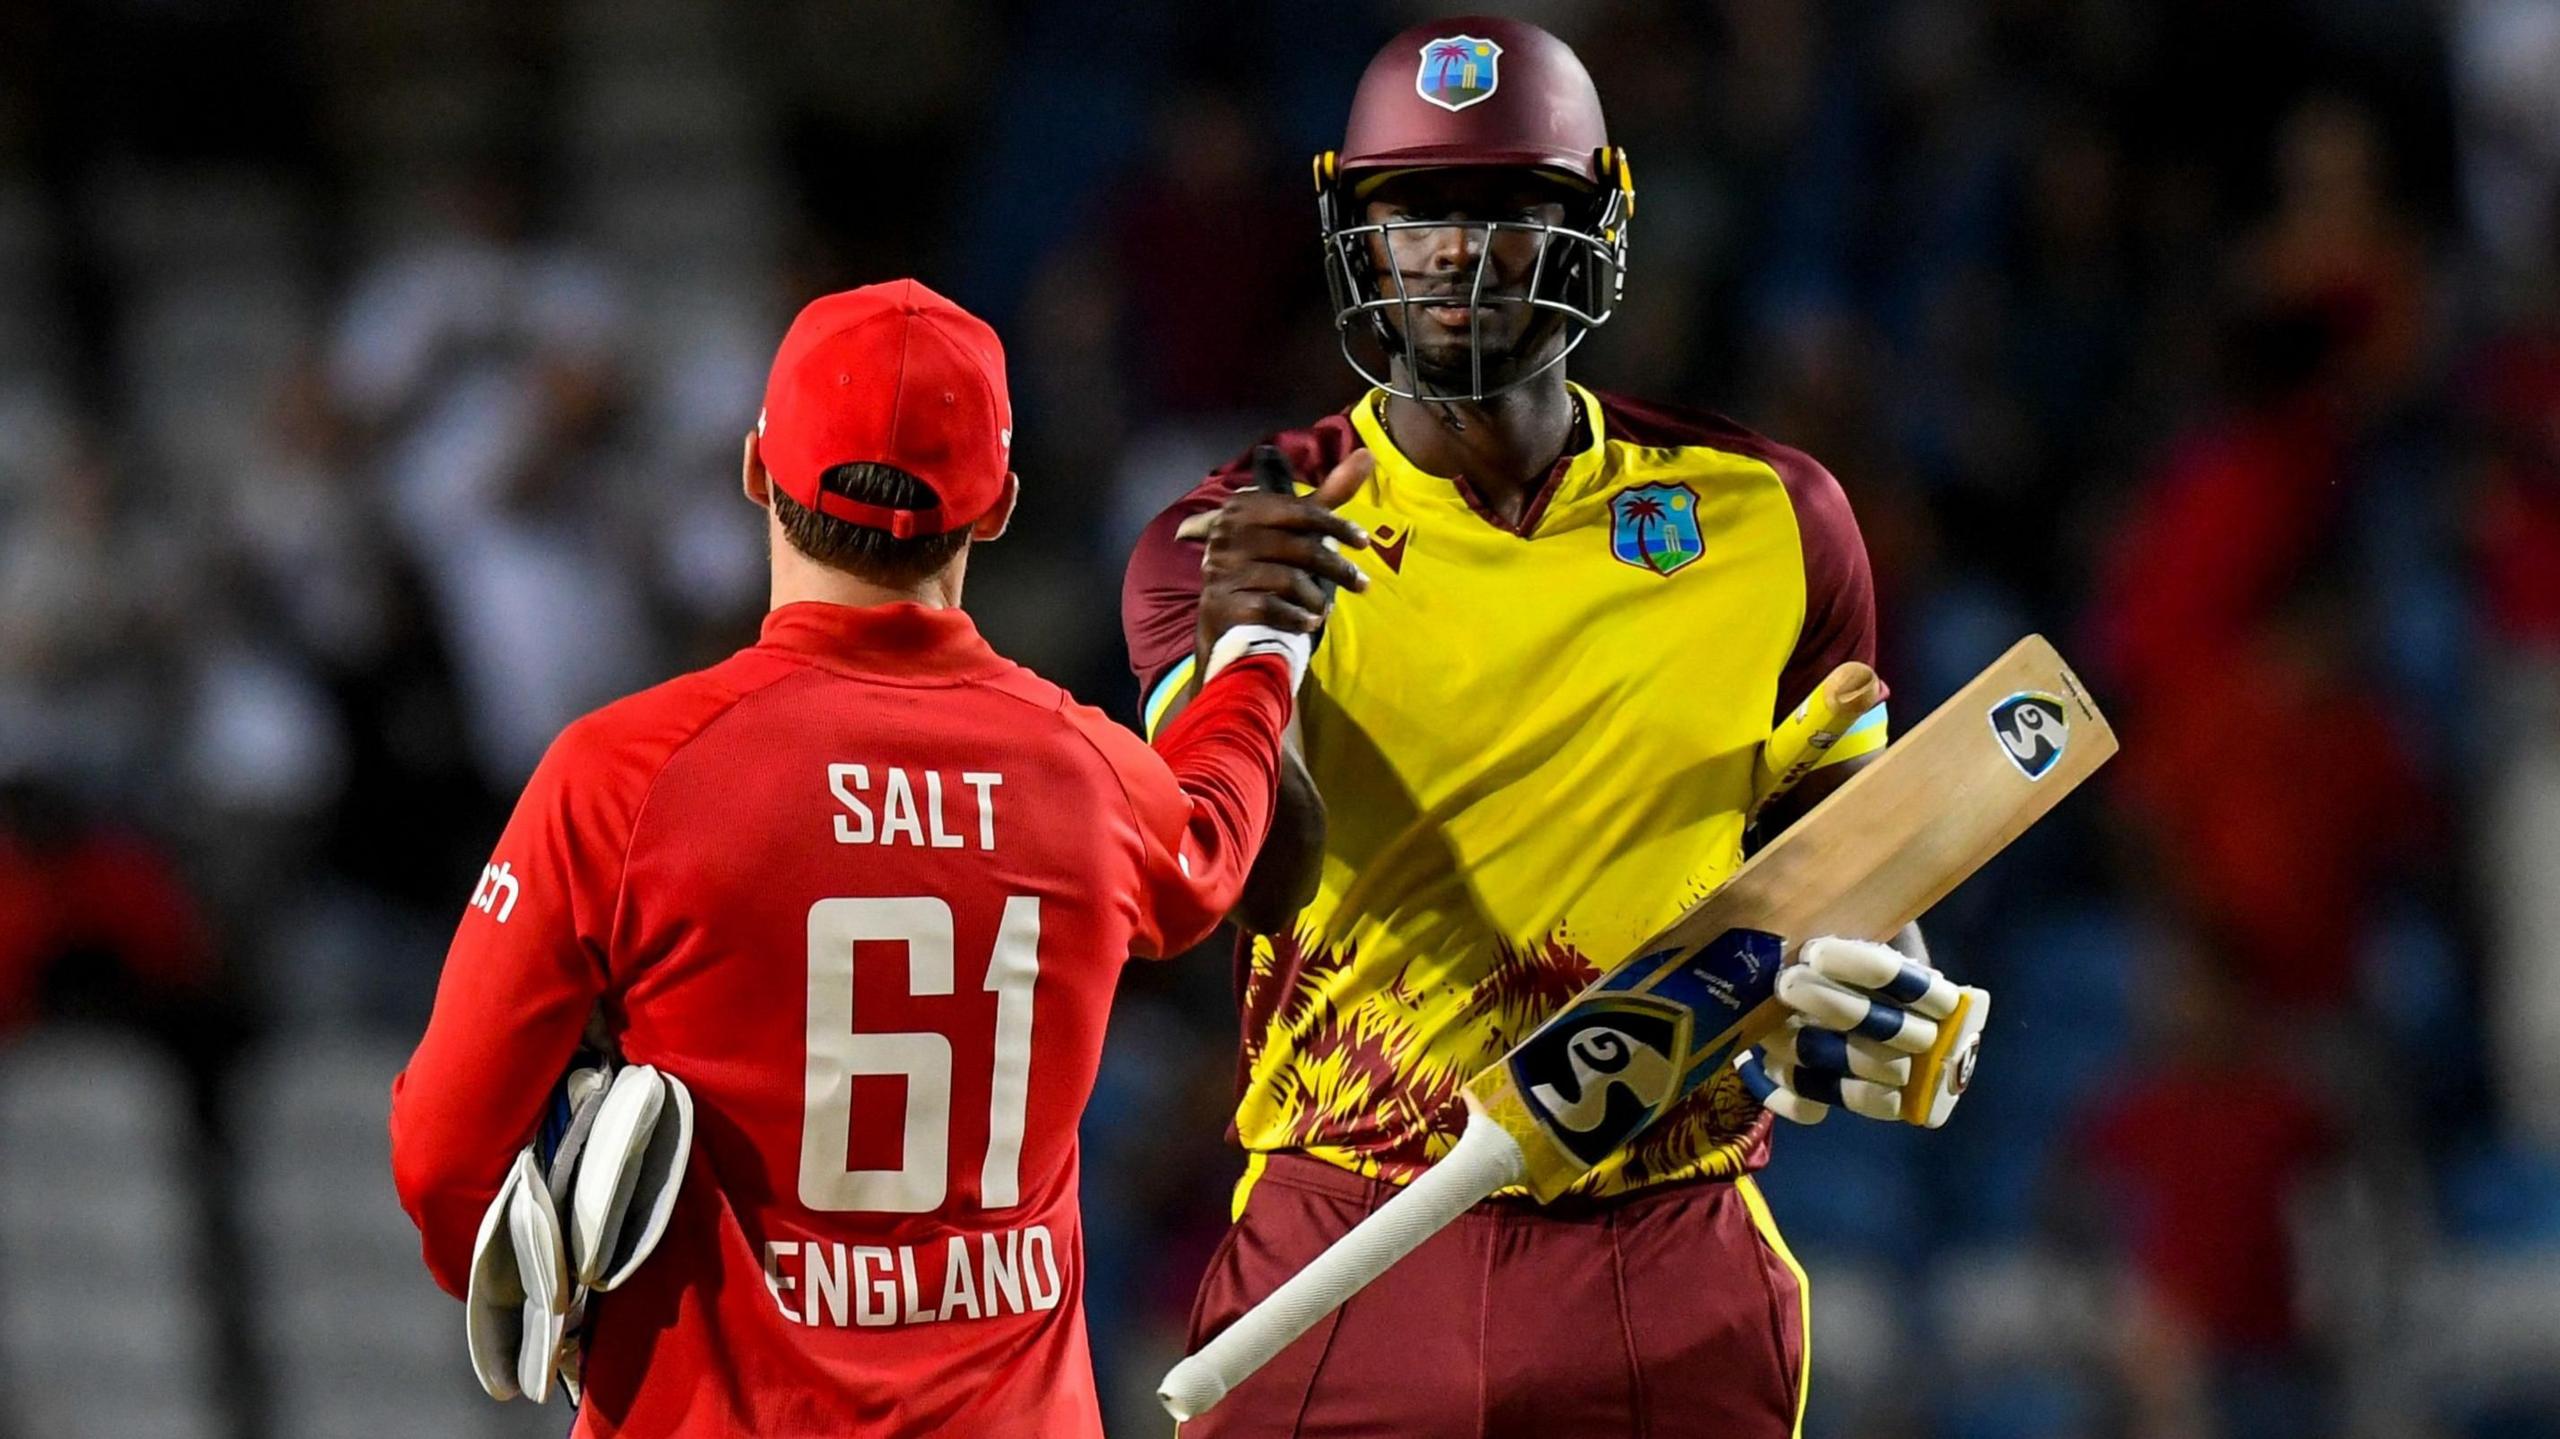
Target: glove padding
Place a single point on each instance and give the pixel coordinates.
(624, 1179)
(1296, 650)
(612, 1157)
(1873, 1030)
(516, 1307)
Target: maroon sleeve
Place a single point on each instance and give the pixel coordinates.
(1839, 593)
(1160, 595)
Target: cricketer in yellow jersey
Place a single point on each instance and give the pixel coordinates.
(1567, 621)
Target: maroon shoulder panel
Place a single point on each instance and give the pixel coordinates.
(1160, 595)
(1839, 592)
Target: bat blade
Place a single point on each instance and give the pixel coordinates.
(1892, 841)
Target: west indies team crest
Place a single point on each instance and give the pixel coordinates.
(1457, 71)
(1655, 527)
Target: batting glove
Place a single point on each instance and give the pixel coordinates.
(1296, 650)
(1873, 1030)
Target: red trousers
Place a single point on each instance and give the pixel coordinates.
(1673, 1313)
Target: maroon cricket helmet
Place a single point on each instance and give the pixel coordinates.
(1477, 91)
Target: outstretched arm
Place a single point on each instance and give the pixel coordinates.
(1263, 559)
(1224, 755)
(1282, 878)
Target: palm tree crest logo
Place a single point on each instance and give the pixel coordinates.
(1655, 527)
(1458, 71)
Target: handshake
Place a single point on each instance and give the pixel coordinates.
(610, 1157)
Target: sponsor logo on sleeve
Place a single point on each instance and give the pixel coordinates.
(495, 896)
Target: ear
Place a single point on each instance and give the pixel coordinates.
(752, 477)
(991, 525)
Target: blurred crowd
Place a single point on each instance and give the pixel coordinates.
(372, 377)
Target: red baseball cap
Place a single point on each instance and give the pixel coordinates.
(890, 374)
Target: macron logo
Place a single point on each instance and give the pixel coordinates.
(496, 894)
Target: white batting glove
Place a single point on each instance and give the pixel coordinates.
(1873, 1030)
(1243, 640)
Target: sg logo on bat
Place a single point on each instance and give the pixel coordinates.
(1605, 1071)
(2032, 728)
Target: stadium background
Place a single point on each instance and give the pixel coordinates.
(371, 378)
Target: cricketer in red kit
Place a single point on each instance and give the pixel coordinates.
(865, 887)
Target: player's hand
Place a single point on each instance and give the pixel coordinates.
(1873, 1030)
(1273, 556)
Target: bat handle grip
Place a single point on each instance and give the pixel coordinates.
(1484, 1160)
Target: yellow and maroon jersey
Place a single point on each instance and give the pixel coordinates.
(1536, 748)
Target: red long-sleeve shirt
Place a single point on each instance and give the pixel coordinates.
(865, 887)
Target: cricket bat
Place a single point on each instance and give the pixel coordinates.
(1871, 858)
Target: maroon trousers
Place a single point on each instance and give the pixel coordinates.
(1665, 1315)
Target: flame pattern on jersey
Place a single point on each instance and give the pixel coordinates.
(1364, 1066)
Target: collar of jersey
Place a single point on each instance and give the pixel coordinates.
(1573, 474)
(905, 641)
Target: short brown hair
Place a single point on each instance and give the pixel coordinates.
(872, 554)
